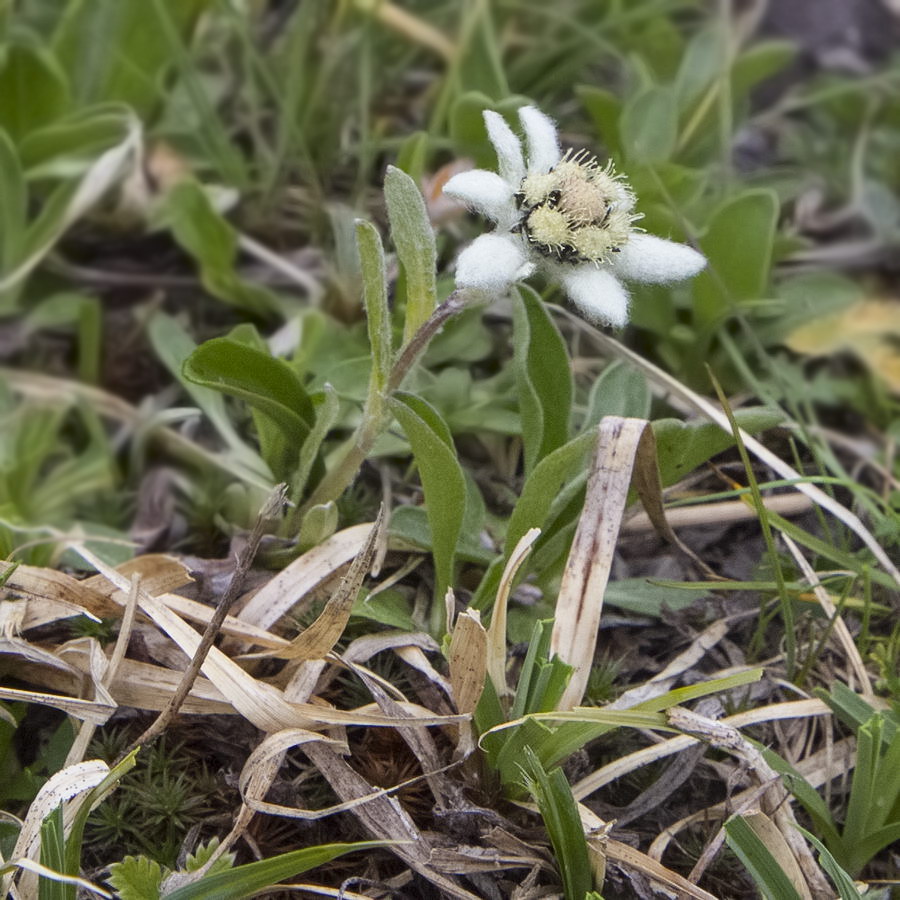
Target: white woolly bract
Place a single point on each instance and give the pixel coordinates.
(598, 294)
(653, 260)
(486, 193)
(543, 143)
(510, 162)
(492, 263)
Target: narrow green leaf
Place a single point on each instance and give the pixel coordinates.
(81, 134)
(13, 204)
(53, 856)
(842, 881)
(649, 126)
(173, 345)
(243, 881)
(203, 232)
(443, 484)
(553, 795)
(544, 379)
(413, 237)
(759, 862)
(542, 488)
(129, 52)
(374, 278)
(33, 86)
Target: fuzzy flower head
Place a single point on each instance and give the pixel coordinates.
(565, 214)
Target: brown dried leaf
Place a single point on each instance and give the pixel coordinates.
(318, 640)
(280, 595)
(584, 580)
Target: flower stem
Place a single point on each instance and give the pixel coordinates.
(376, 417)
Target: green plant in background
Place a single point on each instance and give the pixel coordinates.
(871, 816)
(554, 799)
(167, 792)
(140, 878)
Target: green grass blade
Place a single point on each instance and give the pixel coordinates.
(770, 878)
(553, 795)
(842, 881)
(243, 881)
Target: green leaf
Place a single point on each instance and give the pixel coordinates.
(53, 856)
(553, 795)
(682, 446)
(81, 135)
(201, 230)
(542, 488)
(605, 108)
(620, 390)
(770, 878)
(443, 484)
(738, 245)
(703, 61)
(173, 346)
(640, 596)
(32, 84)
(374, 278)
(842, 881)
(761, 60)
(467, 126)
(413, 237)
(136, 878)
(202, 854)
(13, 204)
(544, 379)
(270, 386)
(649, 126)
(128, 53)
(243, 881)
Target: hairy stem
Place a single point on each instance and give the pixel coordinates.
(376, 417)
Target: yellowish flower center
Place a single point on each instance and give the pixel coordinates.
(577, 212)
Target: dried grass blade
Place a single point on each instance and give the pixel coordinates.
(648, 485)
(706, 409)
(87, 710)
(496, 634)
(776, 799)
(584, 580)
(318, 640)
(686, 660)
(468, 662)
(631, 858)
(797, 709)
(277, 597)
(260, 703)
(383, 817)
(770, 835)
(64, 785)
(845, 639)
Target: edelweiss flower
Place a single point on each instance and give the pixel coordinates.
(566, 215)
